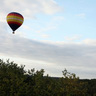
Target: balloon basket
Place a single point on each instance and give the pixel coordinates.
(13, 32)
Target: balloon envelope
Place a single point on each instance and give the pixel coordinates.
(14, 20)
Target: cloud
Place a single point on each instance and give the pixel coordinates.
(89, 41)
(52, 24)
(72, 38)
(29, 8)
(45, 36)
(59, 18)
(82, 15)
(77, 58)
(47, 28)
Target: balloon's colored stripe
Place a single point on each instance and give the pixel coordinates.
(15, 23)
(15, 19)
(14, 14)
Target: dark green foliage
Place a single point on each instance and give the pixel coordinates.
(11, 78)
(15, 81)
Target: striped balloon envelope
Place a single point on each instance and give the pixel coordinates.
(14, 20)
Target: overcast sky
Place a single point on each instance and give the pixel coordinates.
(56, 34)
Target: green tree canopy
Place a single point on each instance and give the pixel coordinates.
(15, 81)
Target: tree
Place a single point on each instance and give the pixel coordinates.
(15, 81)
(71, 85)
(11, 78)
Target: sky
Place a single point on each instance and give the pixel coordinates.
(55, 35)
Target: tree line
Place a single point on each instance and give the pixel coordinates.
(15, 81)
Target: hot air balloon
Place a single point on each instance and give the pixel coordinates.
(14, 20)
